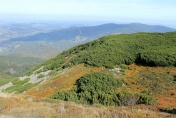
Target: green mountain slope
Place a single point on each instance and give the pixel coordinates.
(143, 86)
(154, 49)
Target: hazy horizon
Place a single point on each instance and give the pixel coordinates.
(158, 12)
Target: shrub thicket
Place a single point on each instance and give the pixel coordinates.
(156, 49)
(98, 88)
(95, 88)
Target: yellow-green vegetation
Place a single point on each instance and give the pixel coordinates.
(5, 80)
(41, 76)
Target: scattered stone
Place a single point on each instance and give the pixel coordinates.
(116, 70)
(5, 86)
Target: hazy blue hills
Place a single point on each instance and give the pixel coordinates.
(54, 39)
(9, 31)
(93, 32)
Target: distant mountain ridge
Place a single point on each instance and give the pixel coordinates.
(93, 32)
(48, 44)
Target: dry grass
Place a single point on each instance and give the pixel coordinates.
(33, 103)
(67, 80)
(63, 82)
(166, 99)
(6, 95)
(20, 108)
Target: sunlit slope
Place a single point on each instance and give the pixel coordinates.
(153, 53)
(153, 49)
(64, 81)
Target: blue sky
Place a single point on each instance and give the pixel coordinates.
(122, 11)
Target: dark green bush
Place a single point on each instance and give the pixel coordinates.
(41, 76)
(169, 110)
(95, 88)
(128, 99)
(156, 58)
(98, 88)
(66, 96)
(146, 99)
